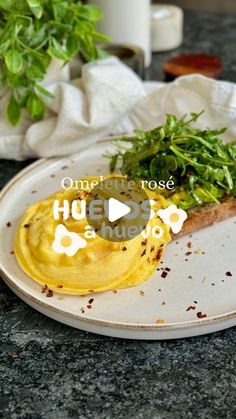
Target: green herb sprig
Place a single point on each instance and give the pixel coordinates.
(31, 33)
(201, 165)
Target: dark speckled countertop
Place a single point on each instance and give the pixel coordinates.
(48, 370)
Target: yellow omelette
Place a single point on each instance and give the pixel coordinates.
(100, 266)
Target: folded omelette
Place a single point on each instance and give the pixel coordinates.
(100, 266)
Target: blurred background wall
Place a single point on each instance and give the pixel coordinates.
(218, 6)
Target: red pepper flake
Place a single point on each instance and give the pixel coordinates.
(124, 248)
(26, 225)
(12, 252)
(189, 245)
(82, 310)
(158, 256)
(143, 253)
(228, 273)
(188, 253)
(8, 224)
(195, 302)
(114, 291)
(191, 308)
(144, 243)
(44, 288)
(164, 274)
(167, 269)
(85, 194)
(89, 306)
(91, 300)
(201, 315)
(59, 286)
(152, 249)
(49, 293)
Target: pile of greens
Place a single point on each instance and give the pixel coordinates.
(31, 33)
(201, 165)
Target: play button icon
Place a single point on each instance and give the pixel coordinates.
(117, 210)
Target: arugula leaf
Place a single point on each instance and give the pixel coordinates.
(202, 166)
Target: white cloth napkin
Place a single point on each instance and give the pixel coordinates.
(110, 98)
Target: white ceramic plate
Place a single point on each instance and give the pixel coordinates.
(198, 280)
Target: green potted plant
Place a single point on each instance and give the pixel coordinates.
(32, 34)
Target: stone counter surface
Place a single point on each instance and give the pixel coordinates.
(48, 370)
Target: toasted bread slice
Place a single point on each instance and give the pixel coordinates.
(206, 215)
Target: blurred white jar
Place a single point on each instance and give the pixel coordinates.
(166, 27)
(127, 22)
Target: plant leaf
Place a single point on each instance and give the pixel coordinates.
(14, 61)
(44, 92)
(72, 45)
(56, 50)
(38, 37)
(13, 111)
(35, 107)
(36, 8)
(34, 73)
(34, 31)
(113, 162)
(102, 53)
(5, 4)
(90, 12)
(4, 46)
(99, 37)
